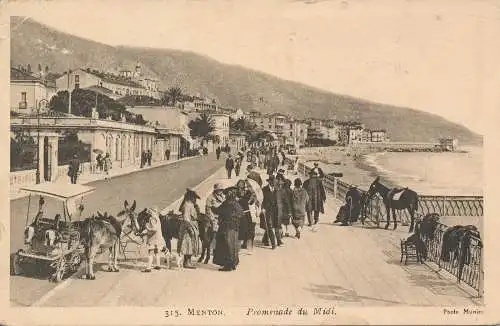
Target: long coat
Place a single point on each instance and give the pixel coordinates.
(317, 195)
(353, 200)
(270, 204)
(284, 204)
(229, 164)
(227, 244)
(300, 202)
(190, 244)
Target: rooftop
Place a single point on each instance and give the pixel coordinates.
(21, 75)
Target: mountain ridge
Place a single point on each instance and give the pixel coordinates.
(232, 85)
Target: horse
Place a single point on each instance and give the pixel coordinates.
(408, 199)
(101, 231)
(453, 237)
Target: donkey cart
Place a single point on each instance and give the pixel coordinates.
(52, 244)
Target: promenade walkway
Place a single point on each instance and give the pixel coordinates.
(331, 265)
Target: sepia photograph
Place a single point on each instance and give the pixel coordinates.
(231, 162)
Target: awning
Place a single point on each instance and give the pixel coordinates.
(59, 191)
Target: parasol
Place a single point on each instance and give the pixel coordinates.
(98, 151)
(255, 208)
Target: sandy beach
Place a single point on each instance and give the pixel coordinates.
(361, 171)
(355, 169)
(451, 174)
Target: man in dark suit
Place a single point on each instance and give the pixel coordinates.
(74, 168)
(269, 216)
(229, 166)
(318, 170)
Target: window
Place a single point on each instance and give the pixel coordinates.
(23, 97)
(77, 81)
(291, 134)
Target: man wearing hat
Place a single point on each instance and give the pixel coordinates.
(229, 166)
(317, 196)
(269, 215)
(154, 238)
(318, 170)
(74, 168)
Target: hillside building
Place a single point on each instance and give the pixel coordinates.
(221, 128)
(118, 85)
(29, 92)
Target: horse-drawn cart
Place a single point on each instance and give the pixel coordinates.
(53, 242)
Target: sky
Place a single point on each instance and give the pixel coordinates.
(436, 56)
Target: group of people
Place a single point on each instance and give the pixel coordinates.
(146, 157)
(234, 163)
(103, 163)
(219, 150)
(234, 213)
(267, 158)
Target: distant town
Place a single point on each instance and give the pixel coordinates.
(124, 114)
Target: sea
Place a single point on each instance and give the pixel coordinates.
(448, 173)
(439, 174)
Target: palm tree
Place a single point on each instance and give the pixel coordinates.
(174, 94)
(202, 126)
(241, 124)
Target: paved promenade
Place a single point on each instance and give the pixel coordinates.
(331, 265)
(154, 186)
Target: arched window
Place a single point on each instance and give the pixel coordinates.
(128, 147)
(136, 146)
(117, 149)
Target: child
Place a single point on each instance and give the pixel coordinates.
(155, 241)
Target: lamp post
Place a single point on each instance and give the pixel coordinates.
(38, 105)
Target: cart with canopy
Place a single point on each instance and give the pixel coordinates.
(53, 241)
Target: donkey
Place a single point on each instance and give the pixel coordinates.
(408, 199)
(207, 235)
(170, 226)
(101, 231)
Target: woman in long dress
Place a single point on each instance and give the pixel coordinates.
(188, 231)
(246, 232)
(227, 244)
(300, 202)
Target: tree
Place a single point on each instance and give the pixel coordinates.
(83, 100)
(172, 96)
(241, 124)
(202, 126)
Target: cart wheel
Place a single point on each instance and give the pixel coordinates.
(16, 265)
(76, 260)
(58, 275)
(60, 271)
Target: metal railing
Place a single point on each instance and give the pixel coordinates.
(465, 263)
(465, 260)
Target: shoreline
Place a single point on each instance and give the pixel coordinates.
(361, 169)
